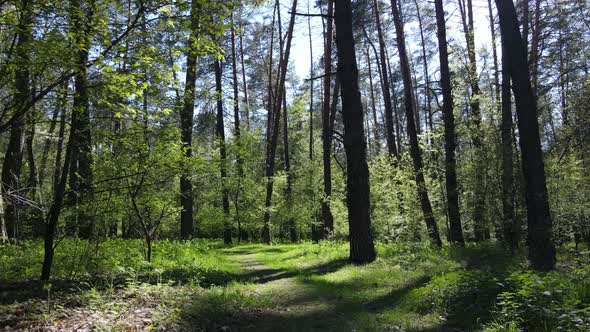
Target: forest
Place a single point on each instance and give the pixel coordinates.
(290, 165)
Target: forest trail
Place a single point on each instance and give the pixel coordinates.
(292, 305)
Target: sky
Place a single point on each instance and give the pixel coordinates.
(300, 48)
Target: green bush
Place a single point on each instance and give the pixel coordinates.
(550, 302)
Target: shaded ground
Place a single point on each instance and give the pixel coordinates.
(303, 287)
(295, 306)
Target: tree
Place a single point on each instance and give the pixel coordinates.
(541, 248)
(362, 249)
(327, 218)
(455, 229)
(186, 124)
(220, 137)
(410, 106)
(481, 228)
(11, 167)
(509, 222)
(276, 116)
(389, 135)
(81, 175)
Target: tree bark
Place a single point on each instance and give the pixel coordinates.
(376, 140)
(496, 94)
(55, 209)
(244, 82)
(410, 107)
(481, 229)
(11, 167)
(427, 106)
(272, 146)
(311, 75)
(362, 248)
(220, 136)
(81, 175)
(510, 225)
(455, 228)
(541, 248)
(186, 125)
(389, 135)
(237, 129)
(327, 218)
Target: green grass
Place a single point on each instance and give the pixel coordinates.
(117, 261)
(204, 285)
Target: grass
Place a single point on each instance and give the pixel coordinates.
(204, 285)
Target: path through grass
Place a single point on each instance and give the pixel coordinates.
(205, 286)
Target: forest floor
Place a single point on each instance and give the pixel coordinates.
(205, 286)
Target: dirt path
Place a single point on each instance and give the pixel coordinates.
(294, 305)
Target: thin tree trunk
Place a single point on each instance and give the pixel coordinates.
(81, 175)
(59, 110)
(415, 152)
(534, 59)
(311, 74)
(327, 218)
(11, 167)
(396, 110)
(481, 229)
(272, 146)
(269, 101)
(293, 235)
(376, 140)
(452, 193)
(385, 89)
(496, 96)
(186, 125)
(362, 248)
(55, 209)
(541, 248)
(510, 225)
(237, 135)
(220, 136)
(244, 82)
(427, 107)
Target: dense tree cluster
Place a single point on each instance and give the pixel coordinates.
(179, 119)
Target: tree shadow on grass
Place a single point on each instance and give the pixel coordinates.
(264, 275)
(316, 305)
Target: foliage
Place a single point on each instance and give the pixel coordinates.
(116, 261)
(550, 302)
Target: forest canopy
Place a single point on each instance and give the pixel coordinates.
(455, 128)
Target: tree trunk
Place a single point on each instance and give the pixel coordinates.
(541, 248)
(327, 218)
(186, 126)
(510, 225)
(57, 112)
(495, 92)
(237, 135)
(293, 235)
(480, 225)
(385, 89)
(427, 106)
(311, 74)
(272, 142)
(376, 140)
(55, 209)
(220, 136)
(452, 193)
(535, 53)
(244, 82)
(11, 167)
(410, 107)
(81, 175)
(362, 248)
